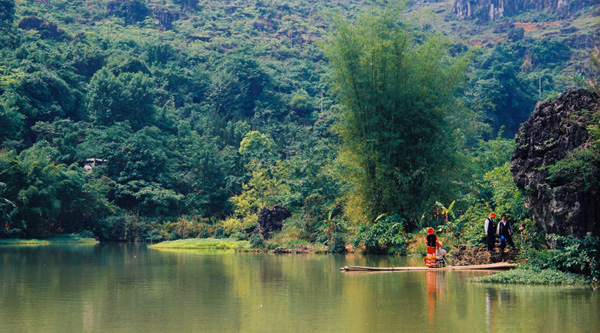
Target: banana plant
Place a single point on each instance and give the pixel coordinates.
(329, 225)
(447, 211)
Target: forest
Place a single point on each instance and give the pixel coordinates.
(364, 121)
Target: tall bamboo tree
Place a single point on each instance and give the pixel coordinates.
(394, 83)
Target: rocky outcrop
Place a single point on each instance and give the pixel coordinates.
(164, 18)
(555, 129)
(132, 11)
(490, 10)
(187, 5)
(47, 29)
(271, 220)
(465, 256)
(283, 250)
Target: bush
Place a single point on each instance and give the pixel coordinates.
(337, 244)
(256, 241)
(123, 227)
(85, 234)
(570, 254)
(219, 233)
(472, 224)
(384, 236)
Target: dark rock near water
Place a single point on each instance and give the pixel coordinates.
(465, 256)
(554, 130)
(284, 250)
(271, 220)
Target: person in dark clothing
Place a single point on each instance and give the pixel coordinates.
(505, 230)
(490, 231)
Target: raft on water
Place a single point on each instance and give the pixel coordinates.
(498, 265)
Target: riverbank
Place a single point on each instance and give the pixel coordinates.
(239, 246)
(60, 239)
(204, 244)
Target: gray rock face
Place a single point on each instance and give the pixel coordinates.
(555, 129)
(490, 10)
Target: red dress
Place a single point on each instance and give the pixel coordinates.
(430, 259)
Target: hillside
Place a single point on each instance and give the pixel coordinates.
(202, 112)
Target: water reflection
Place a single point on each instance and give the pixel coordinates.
(124, 287)
(495, 299)
(435, 290)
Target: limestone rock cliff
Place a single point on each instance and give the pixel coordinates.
(271, 220)
(490, 10)
(555, 129)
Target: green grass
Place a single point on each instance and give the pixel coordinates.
(204, 244)
(70, 238)
(23, 242)
(60, 239)
(534, 276)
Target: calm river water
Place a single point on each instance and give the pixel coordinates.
(130, 288)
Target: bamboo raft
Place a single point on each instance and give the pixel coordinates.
(498, 265)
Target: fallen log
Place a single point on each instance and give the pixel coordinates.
(498, 265)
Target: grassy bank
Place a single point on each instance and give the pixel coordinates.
(60, 239)
(534, 276)
(204, 244)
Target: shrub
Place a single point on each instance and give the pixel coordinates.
(256, 241)
(219, 233)
(122, 227)
(570, 254)
(385, 236)
(337, 244)
(472, 224)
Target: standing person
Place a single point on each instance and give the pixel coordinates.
(505, 230)
(430, 258)
(490, 231)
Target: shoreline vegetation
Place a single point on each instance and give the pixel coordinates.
(533, 276)
(203, 244)
(59, 239)
(525, 274)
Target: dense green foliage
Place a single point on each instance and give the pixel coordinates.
(569, 254)
(201, 113)
(386, 236)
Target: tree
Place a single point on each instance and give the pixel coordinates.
(200, 174)
(126, 97)
(7, 11)
(50, 198)
(505, 94)
(237, 86)
(395, 132)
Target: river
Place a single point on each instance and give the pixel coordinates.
(130, 288)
